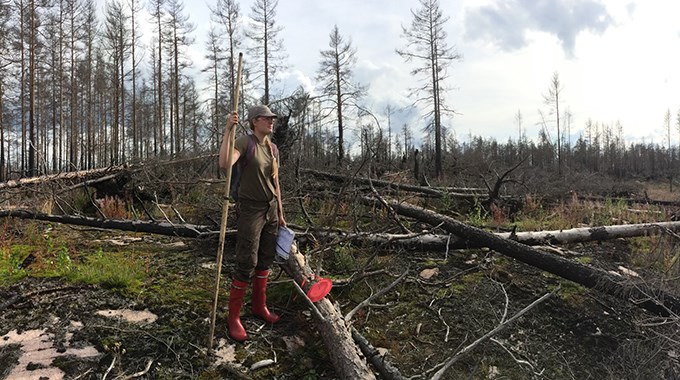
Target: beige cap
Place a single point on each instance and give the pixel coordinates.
(261, 110)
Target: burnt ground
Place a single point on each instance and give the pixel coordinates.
(576, 334)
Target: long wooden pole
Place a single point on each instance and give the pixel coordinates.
(225, 206)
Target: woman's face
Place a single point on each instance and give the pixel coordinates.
(264, 124)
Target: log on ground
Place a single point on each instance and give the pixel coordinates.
(429, 241)
(336, 335)
(653, 300)
(160, 228)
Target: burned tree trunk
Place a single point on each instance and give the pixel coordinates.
(70, 176)
(418, 241)
(654, 300)
(335, 333)
(433, 192)
(428, 241)
(160, 228)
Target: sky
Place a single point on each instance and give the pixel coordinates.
(617, 61)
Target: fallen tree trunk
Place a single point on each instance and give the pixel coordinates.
(419, 241)
(94, 176)
(598, 198)
(405, 187)
(337, 337)
(654, 300)
(427, 241)
(160, 228)
(386, 369)
(77, 175)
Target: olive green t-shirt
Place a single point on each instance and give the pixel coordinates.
(257, 182)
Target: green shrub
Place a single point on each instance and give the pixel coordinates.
(343, 260)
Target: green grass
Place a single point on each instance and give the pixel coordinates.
(131, 271)
(571, 292)
(111, 270)
(11, 258)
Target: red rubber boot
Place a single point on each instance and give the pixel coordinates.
(236, 330)
(260, 297)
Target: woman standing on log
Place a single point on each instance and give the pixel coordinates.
(260, 213)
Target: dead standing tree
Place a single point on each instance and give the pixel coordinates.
(337, 86)
(427, 47)
(495, 191)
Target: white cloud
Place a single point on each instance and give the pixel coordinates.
(290, 81)
(617, 61)
(507, 23)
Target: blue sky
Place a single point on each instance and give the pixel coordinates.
(618, 61)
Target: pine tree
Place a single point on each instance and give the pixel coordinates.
(335, 77)
(427, 47)
(267, 53)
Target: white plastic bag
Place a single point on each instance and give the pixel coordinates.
(284, 241)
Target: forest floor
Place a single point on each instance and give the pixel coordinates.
(83, 303)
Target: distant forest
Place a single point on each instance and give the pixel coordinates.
(79, 90)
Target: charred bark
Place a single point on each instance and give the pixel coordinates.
(437, 193)
(429, 241)
(417, 241)
(160, 228)
(654, 300)
(645, 200)
(386, 369)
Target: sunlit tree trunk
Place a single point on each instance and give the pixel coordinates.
(134, 9)
(31, 89)
(3, 170)
(552, 98)
(667, 125)
(159, 139)
(90, 27)
(116, 38)
(22, 85)
(226, 14)
(180, 29)
(76, 135)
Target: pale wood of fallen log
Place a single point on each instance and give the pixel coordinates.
(335, 333)
(81, 174)
(429, 241)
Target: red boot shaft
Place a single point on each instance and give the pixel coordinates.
(260, 297)
(238, 291)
